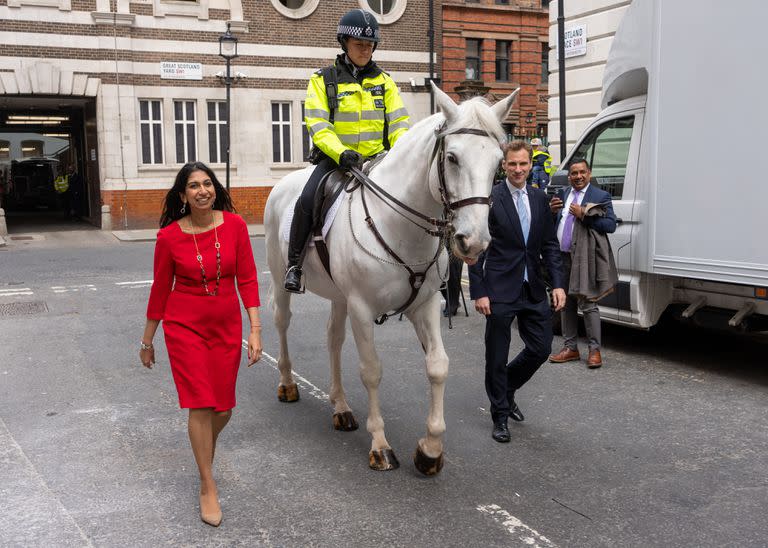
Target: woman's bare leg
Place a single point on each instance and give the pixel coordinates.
(201, 438)
(220, 420)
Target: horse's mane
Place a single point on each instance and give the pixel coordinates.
(472, 113)
(476, 112)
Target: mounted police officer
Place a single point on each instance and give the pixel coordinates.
(353, 111)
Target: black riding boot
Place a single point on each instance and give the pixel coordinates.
(301, 226)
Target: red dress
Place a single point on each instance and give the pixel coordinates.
(203, 333)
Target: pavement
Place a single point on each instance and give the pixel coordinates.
(150, 234)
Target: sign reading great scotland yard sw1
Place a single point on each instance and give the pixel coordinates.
(575, 41)
(181, 71)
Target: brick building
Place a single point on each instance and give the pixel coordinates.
(495, 46)
(128, 91)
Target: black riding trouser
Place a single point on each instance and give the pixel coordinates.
(301, 226)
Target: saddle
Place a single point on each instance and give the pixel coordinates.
(328, 191)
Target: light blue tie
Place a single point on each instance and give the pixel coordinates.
(522, 213)
(525, 221)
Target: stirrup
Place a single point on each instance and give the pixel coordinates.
(291, 289)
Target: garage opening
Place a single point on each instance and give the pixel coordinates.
(48, 169)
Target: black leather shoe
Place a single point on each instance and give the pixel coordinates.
(293, 280)
(515, 413)
(452, 312)
(501, 431)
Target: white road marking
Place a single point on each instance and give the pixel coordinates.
(301, 381)
(73, 288)
(515, 527)
(15, 291)
(134, 283)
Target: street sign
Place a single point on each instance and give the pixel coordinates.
(171, 70)
(575, 41)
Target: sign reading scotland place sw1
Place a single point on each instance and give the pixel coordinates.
(575, 41)
(181, 71)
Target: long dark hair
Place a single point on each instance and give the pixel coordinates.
(172, 203)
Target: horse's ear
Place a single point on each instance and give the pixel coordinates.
(501, 108)
(444, 102)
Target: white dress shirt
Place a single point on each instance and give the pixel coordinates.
(566, 207)
(513, 190)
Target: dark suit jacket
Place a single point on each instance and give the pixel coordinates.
(499, 271)
(595, 195)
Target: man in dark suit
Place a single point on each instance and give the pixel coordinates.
(506, 283)
(572, 201)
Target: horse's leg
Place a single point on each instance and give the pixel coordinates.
(426, 320)
(343, 419)
(381, 456)
(287, 391)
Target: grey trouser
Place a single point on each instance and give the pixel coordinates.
(570, 316)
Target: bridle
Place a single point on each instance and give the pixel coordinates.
(443, 227)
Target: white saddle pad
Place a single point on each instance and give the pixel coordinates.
(285, 228)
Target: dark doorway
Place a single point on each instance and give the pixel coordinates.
(48, 172)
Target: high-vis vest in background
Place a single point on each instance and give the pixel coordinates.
(61, 184)
(366, 106)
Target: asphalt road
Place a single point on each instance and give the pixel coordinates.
(666, 445)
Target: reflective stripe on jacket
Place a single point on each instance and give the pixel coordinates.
(61, 184)
(545, 162)
(358, 123)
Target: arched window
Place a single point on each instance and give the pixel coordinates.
(387, 11)
(295, 9)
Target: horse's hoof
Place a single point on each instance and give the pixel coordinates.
(344, 421)
(383, 460)
(427, 465)
(288, 393)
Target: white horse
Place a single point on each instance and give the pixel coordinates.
(367, 282)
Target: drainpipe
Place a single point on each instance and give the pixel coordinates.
(561, 73)
(431, 34)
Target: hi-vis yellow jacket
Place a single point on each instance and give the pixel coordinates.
(365, 104)
(61, 184)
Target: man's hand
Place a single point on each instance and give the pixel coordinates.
(577, 211)
(350, 159)
(483, 305)
(558, 298)
(555, 204)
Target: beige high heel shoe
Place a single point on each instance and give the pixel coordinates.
(211, 518)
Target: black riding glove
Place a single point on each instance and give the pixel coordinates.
(350, 159)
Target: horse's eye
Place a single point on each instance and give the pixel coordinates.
(452, 158)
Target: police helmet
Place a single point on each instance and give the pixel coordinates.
(358, 24)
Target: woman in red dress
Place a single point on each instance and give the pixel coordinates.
(202, 252)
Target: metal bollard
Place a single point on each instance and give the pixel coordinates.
(106, 217)
(3, 226)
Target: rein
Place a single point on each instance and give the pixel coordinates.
(443, 226)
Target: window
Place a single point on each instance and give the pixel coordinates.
(606, 148)
(295, 9)
(387, 11)
(502, 61)
(473, 66)
(281, 132)
(217, 132)
(545, 3)
(306, 138)
(31, 149)
(503, 2)
(151, 121)
(5, 152)
(186, 130)
(544, 63)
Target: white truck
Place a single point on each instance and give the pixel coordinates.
(680, 144)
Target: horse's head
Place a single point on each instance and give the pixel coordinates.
(471, 138)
